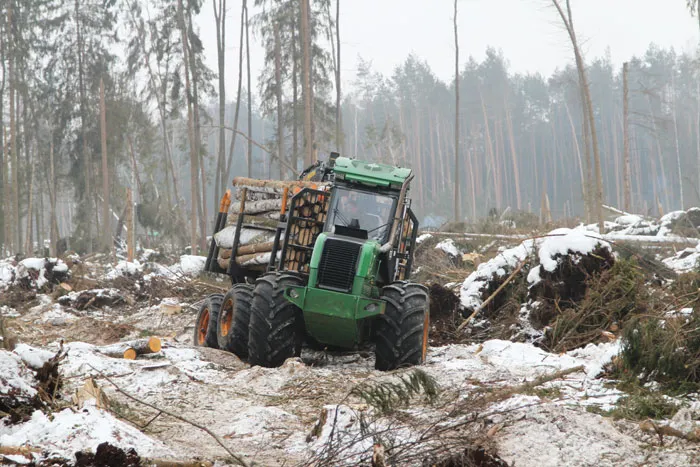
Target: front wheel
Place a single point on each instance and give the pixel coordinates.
(402, 331)
(205, 326)
(276, 329)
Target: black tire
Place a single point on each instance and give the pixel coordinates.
(402, 331)
(234, 318)
(276, 329)
(207, 317)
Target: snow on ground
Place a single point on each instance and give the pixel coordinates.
(507, 260)
(124, 268)
(68, 431)
(449, 247)
(267, 414)
(33, 271)
(7, 273)
(15, 378)
(423, 237)
(685, 260)
(548, 250)
(190, 265)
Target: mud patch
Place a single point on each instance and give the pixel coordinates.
(107, 455)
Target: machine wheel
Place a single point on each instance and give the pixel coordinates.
(234, 318)
(276, 329)
(205, 327)
(402, 331)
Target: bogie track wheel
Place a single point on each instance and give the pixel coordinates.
(276, 329)
(402, 331)
(234, 319)
(205, 326)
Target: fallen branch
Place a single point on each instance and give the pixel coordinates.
(234, 456)
(172, 463)
(488, 300)
(650, 426)
(505, 393)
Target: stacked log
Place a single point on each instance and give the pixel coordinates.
(262, 203)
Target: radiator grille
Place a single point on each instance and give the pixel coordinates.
(338, 265)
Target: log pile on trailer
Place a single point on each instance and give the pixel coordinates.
(251, 219)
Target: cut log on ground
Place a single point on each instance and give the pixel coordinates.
(17, 450)
(131, 349)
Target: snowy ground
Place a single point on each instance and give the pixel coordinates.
(266, 415)
(297, 414)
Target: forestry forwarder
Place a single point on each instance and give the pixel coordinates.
(337, 273)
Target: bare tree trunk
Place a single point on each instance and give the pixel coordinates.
(514, 155)
(194, 159)
(578, 155)
(678, 151)
(457, 214)
(626, 136)
(220, 18)
(28, 246)
(568, 23)
(250, 98)
(13, 140)
(306, 82)
(489, 150)
(5, 234)
(83, 117)
(278, 95)
(106, 234)
(202, 192)
(295, 95)
(238, 98)
(52, 200)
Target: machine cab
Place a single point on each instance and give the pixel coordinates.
(362, 214)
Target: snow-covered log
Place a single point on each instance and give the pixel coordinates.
(263, 205)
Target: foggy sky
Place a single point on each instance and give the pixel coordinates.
(527, 31)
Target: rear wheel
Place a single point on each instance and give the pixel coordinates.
(205, 326)
(402, 331)
(276, 329)
(234, 318)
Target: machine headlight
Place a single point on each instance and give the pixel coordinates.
(293, 293)
(371, 308)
